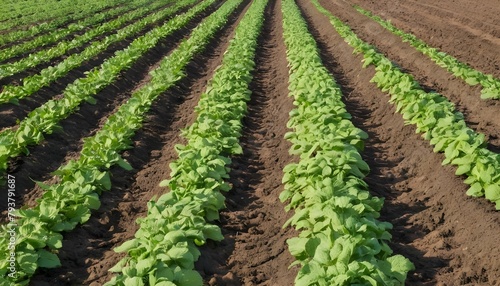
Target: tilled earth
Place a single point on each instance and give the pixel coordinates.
(451, 238)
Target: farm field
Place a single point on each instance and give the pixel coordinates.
(238, 142)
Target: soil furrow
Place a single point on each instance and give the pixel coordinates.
(434, 29)
(87, 252)
(477, 14)
(254, 251)
(62, 146)
(479, 114)
(424, 200)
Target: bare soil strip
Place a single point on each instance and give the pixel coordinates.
(65, 145)
(481, 115)
(434, 28)
(87, 252)
(425, 201)
(254, 251)
(478, 16)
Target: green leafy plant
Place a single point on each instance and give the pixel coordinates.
(57, 35)
(165, 245)
(341, 242)
(62, 47)
(56, 24)
(55, 13)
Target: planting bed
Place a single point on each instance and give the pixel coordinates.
(449, 237)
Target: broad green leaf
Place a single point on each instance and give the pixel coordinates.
(118, 267)
(124, 164)
(55, 241)
(463, 169)
(144, 265)
(471, 81)
(400, 266)
(179, 251)
(475, 190)
(311, 246)
(133, 281)
(27, 261)
(128, 245)
(47, 259)
(165, 283)
(213, 232)
(297, 246)
(492, 192)
(164, 183)
(188, 278)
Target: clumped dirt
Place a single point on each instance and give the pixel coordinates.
(451, 238)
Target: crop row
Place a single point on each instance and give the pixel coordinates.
(59, 9)
(341, 241)
(31, 84)
(63, 47)
(434, 116)
(20, 9)
(45, 119)
(57, 35)
(70, 201)
(164, 248)
(56, 23)
(490, 84)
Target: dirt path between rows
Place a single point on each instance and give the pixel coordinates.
(446, 31)
(254, 251)
(87, 251)
(451, 238)
(478, 14)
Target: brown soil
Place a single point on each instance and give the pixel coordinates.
(468, 30)
(450, 237)
(481, 115)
